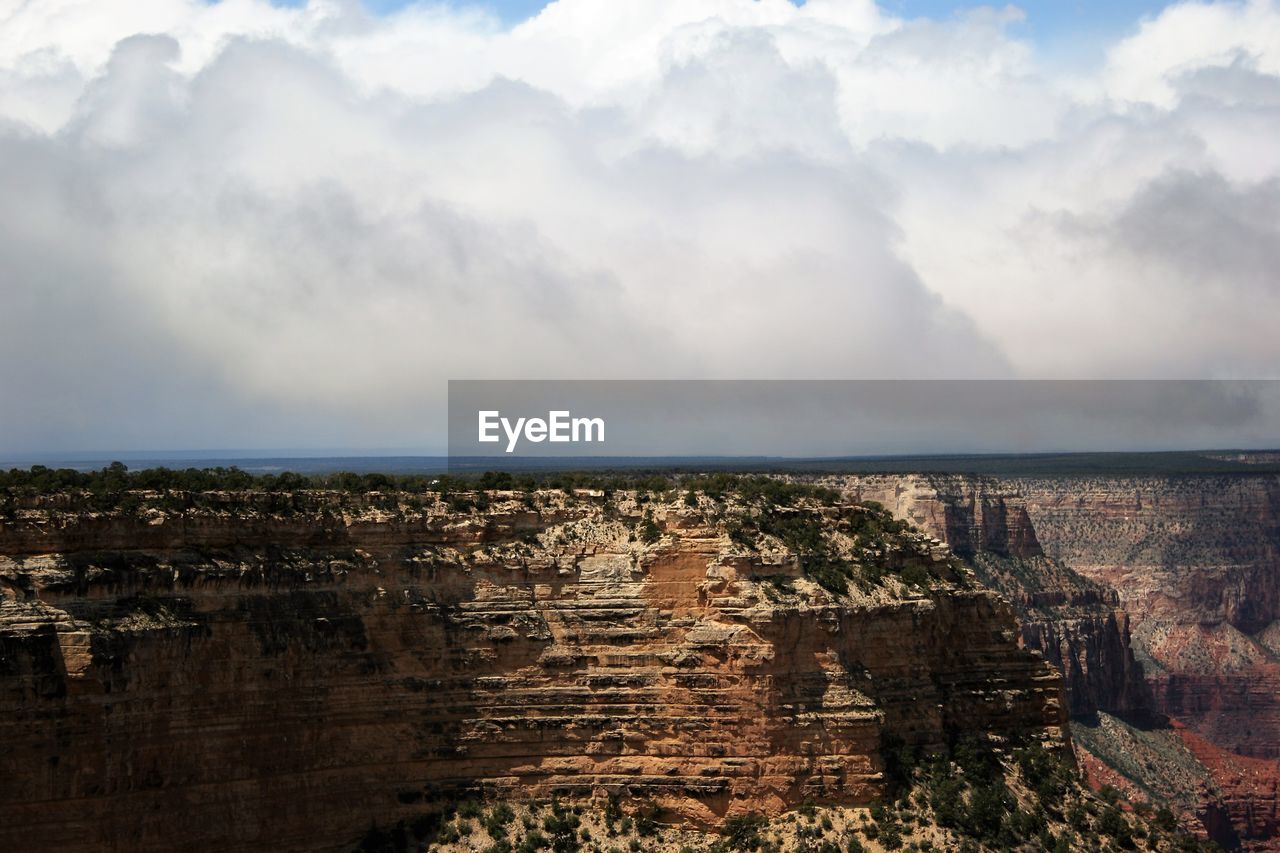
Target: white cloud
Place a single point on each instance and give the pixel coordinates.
(1188, 37)
(233, 223)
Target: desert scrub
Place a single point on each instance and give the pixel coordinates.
(742, 832)
(649, 530)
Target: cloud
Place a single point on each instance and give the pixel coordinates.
(233, 224)
(1188, 37)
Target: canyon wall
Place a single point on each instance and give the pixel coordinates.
(1076, 623)
(1155, 596)
(1196, 564)
(267, 672)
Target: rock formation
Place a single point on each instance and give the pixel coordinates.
(1076, 623)
(270, 672)
(1154, 596)
(1196, 564)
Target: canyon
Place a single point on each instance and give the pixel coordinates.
(258, 671)
(1157, 599)
(290, 670)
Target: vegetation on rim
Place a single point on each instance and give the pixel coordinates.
(836, 543)
(980, 794)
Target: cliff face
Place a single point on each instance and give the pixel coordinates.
(282, 673)
(1077, 624)
(1096, 661)
(971, 514)
(1192, 550)
(1196, 562)
(1181, 574)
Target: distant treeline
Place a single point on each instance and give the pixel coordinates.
(1172, 463)
(117, 479)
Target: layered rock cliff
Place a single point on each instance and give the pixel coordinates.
(1154, 596)
(1076, 623)
(1196, 560)
(1196, 564)
(254, 672)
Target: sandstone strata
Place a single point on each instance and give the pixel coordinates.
(282, 672)
(1156, 596)
(1076, 623)
(1196, 564)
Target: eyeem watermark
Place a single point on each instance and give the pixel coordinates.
(559, 426)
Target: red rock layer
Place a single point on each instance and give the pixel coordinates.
(1245, 811)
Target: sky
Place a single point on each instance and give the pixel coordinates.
(244, 224)
(1045, 17)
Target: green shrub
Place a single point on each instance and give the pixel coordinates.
(916, 575)
(742, 832)
(533, 842)
(831, 575)
(497, 821)
(647, 820)
(612, 809)
(782, 583)
(947, 799)
(988, 804)
(1027, 823)
(1044, 772)
(649, 530)
(740, 535)
(1113, 824)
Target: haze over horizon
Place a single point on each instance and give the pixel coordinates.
(242, 224)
